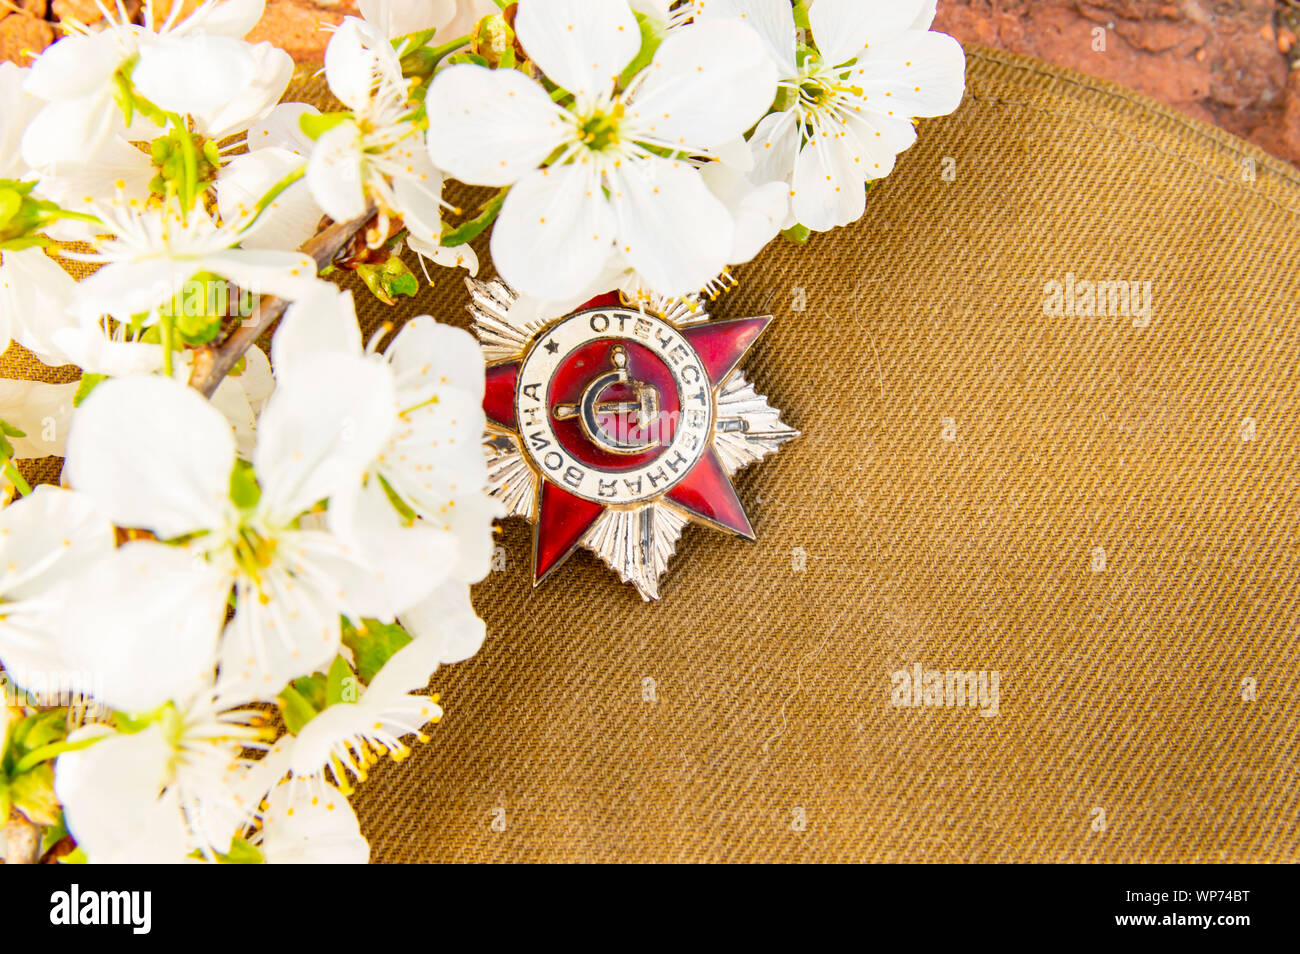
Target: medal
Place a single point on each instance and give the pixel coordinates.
(614, 427)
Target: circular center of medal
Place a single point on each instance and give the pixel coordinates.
(613, 405)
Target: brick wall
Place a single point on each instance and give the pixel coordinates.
(1224, 61)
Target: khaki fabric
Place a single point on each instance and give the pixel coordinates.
(1104, 514)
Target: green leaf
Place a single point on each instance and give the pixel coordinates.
(390, 279)
(652, 37)
(341, 684)
(54, 833)
(25, 242)
(198, 329)
(469, 231)
(244, 489)
(11, 202)
(400, 505)
(75, 857)
(242, 853)
(14, 185)
(88, 382)
(32, 793)
(405, 285)
(801, 16)
(465, 57)
(799, 234)
(10, 431)
(38, 730)
(312, 689)
(314, 126)
(295, 709)
(373, 645)
(198, 309)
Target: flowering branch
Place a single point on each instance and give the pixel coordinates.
(213, 363)
(644, 153)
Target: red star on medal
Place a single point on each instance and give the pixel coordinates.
(614, 427)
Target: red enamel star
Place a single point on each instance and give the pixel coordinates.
(613, 427)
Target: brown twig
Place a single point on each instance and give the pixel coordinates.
(214, 362)
(22, 841)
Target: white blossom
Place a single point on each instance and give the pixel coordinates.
(156, 456)
(614, 172)
(847, 107)
(196, 65)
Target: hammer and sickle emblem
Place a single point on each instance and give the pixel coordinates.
(590, 409)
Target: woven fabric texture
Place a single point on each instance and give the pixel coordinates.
(1103, 510)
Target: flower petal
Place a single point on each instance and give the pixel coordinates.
(759, 212)
(34, 297)
(554, 232)
(925, 18)
(69, 130)
(41, 411)
(674, 231)
(240, 397)
(580, 45)
(429, 353)
(334, 173)
(89, 348)
(448, 621)
(124, 289)
(113, 799)
(773, 20)
(417, 191)
(491, 127)
(195, 74)
(469, 517)
(916, 74)
(775, 145)
(273, 70)
(310, 825)
(708, 83)
(398, 18)
(287, 275)
(287, 222)
(287, 628)
(145, 602)
(435, 464)
(453, 256)
(230, 18)
(48, 537)
(321, 429)
(282, 129)
(406, 562)
(829, 188)
(409, 670)
(119, 169)
(357, 54)
(152, 453)
(18, 108)
(842, 29)
(75, 66)
(324, 322)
